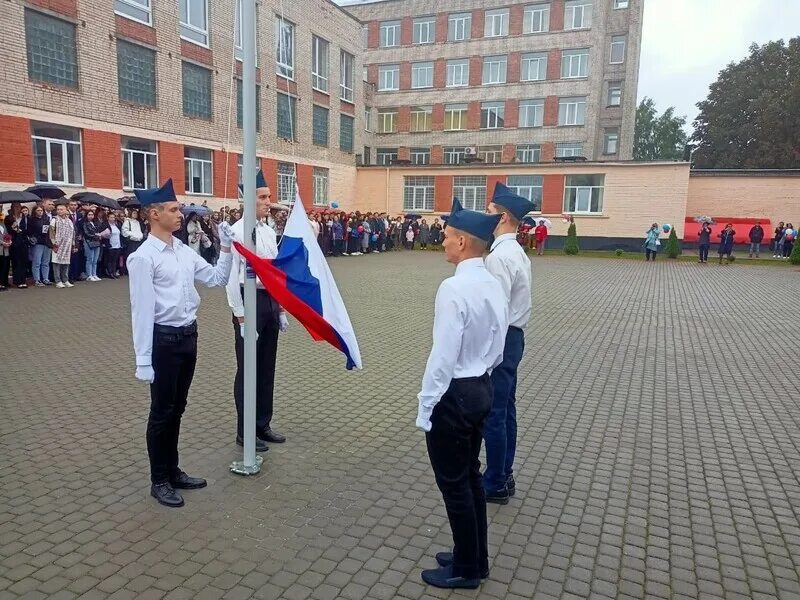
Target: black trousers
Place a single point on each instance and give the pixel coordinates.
(174, 358)
(454, 445)
(19, 263)
(112, 260)
(5, 265)
(704, 251)
(652, 253)
(267, 311)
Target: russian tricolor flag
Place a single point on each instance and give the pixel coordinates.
(301, 282)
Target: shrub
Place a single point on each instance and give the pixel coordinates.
(794, 257)
(620, 252)
(673, 245)
(571, 245)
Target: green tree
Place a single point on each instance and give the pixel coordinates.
(751, 118)
(658, 137)
(794, 257)
(571, 244)
(673, 248)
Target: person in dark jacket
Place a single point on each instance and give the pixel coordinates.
(18, 250)
(704, 242)
(789, 235)
(756, 236)
(38, 236)
(726, 243)
(91, 245)
(777, 241)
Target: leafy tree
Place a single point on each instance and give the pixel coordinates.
(751, 118)
(658, 137)
(673, 248)
(794, 257)
(571, 244)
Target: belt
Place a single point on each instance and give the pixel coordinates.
(185, 331)
(481, 378)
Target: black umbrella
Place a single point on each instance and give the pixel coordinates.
(92, 198)
(15, 196)
(413, 216)
(129, 202)
(45, 191)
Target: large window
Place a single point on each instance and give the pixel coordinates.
(529, 153)
(611, 140)
(455, 117)
(491, 154)
(194, 21)
(138, 10)
(459, 27)
(575, 63)
(284, 47)
(531, 112)
(52, 54)
(533, 67)
(320, 186)
(136, 73)
(197, 91)
(199, 171)
(568, 149)
(422, 75)
(614, 93)
(57, 154)
(458, 72)
(287, 117)
(471, 191)
(418, 193)
(388, 78)
(287, 183)
(584, 194)
(577, 14)
(240, 169)
(346, 127)
(240, 105)
(420, 156)
(319, 133)
(346, 62)
(528, 186)
(390, 34)
(319, 63)
(617, 49)
(572, 111)
(494, 69)
(421, 117)
(238, 44)
(493, 115)
(139, 164)
(424, 30)
(385, 156)
(496, 23)
(387, 120)
(536, 19)
(454, 155)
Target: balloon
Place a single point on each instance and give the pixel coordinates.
(335, 205)
(666, 228)
(360, 229)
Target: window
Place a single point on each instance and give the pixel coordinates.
(52, 54)
(138, 10)
(424, 30)
(240, 166)
(492, 115)
(572, 111)
(577, 14)
(387, 120)
(388, 78)
(346, 125)
(136, 73)
(385, 156)
(569, 149)
(471, 190)
(494, 69)
(319, 64)
(367, 156)
(610, 140)
(319, 133)
(458, 72)
(418, 193)
(528, 186)
(196, 91)
(368, 119)
(240, 106)
(320, 186)
(575, 63)
(491, 154)
(459, 27)
(617, 49)
(139, 164)
(531, 113)
(194, 21)
(346, 62)
(287, 117)
(584, 194)
(199, 171)
(421, 117)
(57, 154)
(529, 153)
(614, 93)
(238, 47)
(536, 19)
(620, 4)
(390, 34)
(422, 75)
(496, 23)
(284, 53)
(453, 155)
(455, 117)
(533, 67)
(287, 183)
(420, 156)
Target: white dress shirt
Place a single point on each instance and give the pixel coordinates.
(512, 268)
(266, 247)
(469, 332)
(161, 279)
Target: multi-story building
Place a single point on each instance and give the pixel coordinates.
(115, 95)
(505, 80)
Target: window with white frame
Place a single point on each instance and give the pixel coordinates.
(584, 194)
(418, 193)
(420, 156)
(494, 69)
(287, 183)
(458, 72)
(238, 46)
(139, 164)
(459, 27)
(240, 170)
(496, 23)
(390, 34)
(617, 49)
(385, 156)
(620, 4)
(199, 171)
(536, 19)
(533, 67)
(51, 49)
(422, 75)
(575, 63)
(56, 154)
(454, 155)
(611, 140)
(577, 14)
(319, 63)
(614, 93)
(421, 117)
(388, 78)
(346, 75)
(320, 186)
(455, 117)
(387, 120)
(528, 186)
(572, 111)
(368, 119)
(138, 10)
(568, 149)
(471, 191)
(194, 21)
(531, 112)
(529, 153)
(493, 115)
(491, 154)
(424, 30)
(284, 47)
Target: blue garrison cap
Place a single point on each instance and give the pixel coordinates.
(479, 225)
(517, 205)
(260, 181)
(166, 193)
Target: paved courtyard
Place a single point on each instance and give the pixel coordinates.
(659, 447)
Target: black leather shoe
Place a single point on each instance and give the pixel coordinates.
(443, 578)
(500, 496)
(261, 445)
(182, 481)
(511, 485)
(166, 495)
(272, 436)
(445, 559)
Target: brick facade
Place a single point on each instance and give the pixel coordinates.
(132, 30)
(553, 194)
(170, 164)
(15, 140)
(68, 8)
(101, 159)
(443, 193)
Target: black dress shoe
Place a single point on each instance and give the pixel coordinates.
(443, 578)
(445, 559)
(511, 485)
(261, 445)
(272, 436)
(166, 495)
(181, 481)
(500, 496)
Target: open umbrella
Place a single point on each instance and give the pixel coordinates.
(704, 219)
(15, 196)
(45, 191)
(129, 202)
(413, 216)
(200, 210)
(547, 222)
(99, 200)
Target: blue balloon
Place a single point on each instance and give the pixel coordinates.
(335, 205)
(666, 228)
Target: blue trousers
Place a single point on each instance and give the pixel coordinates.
(500, 430)
(41, 263)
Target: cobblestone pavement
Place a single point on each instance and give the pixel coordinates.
(659, 448)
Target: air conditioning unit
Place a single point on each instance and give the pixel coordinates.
(471, 151)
